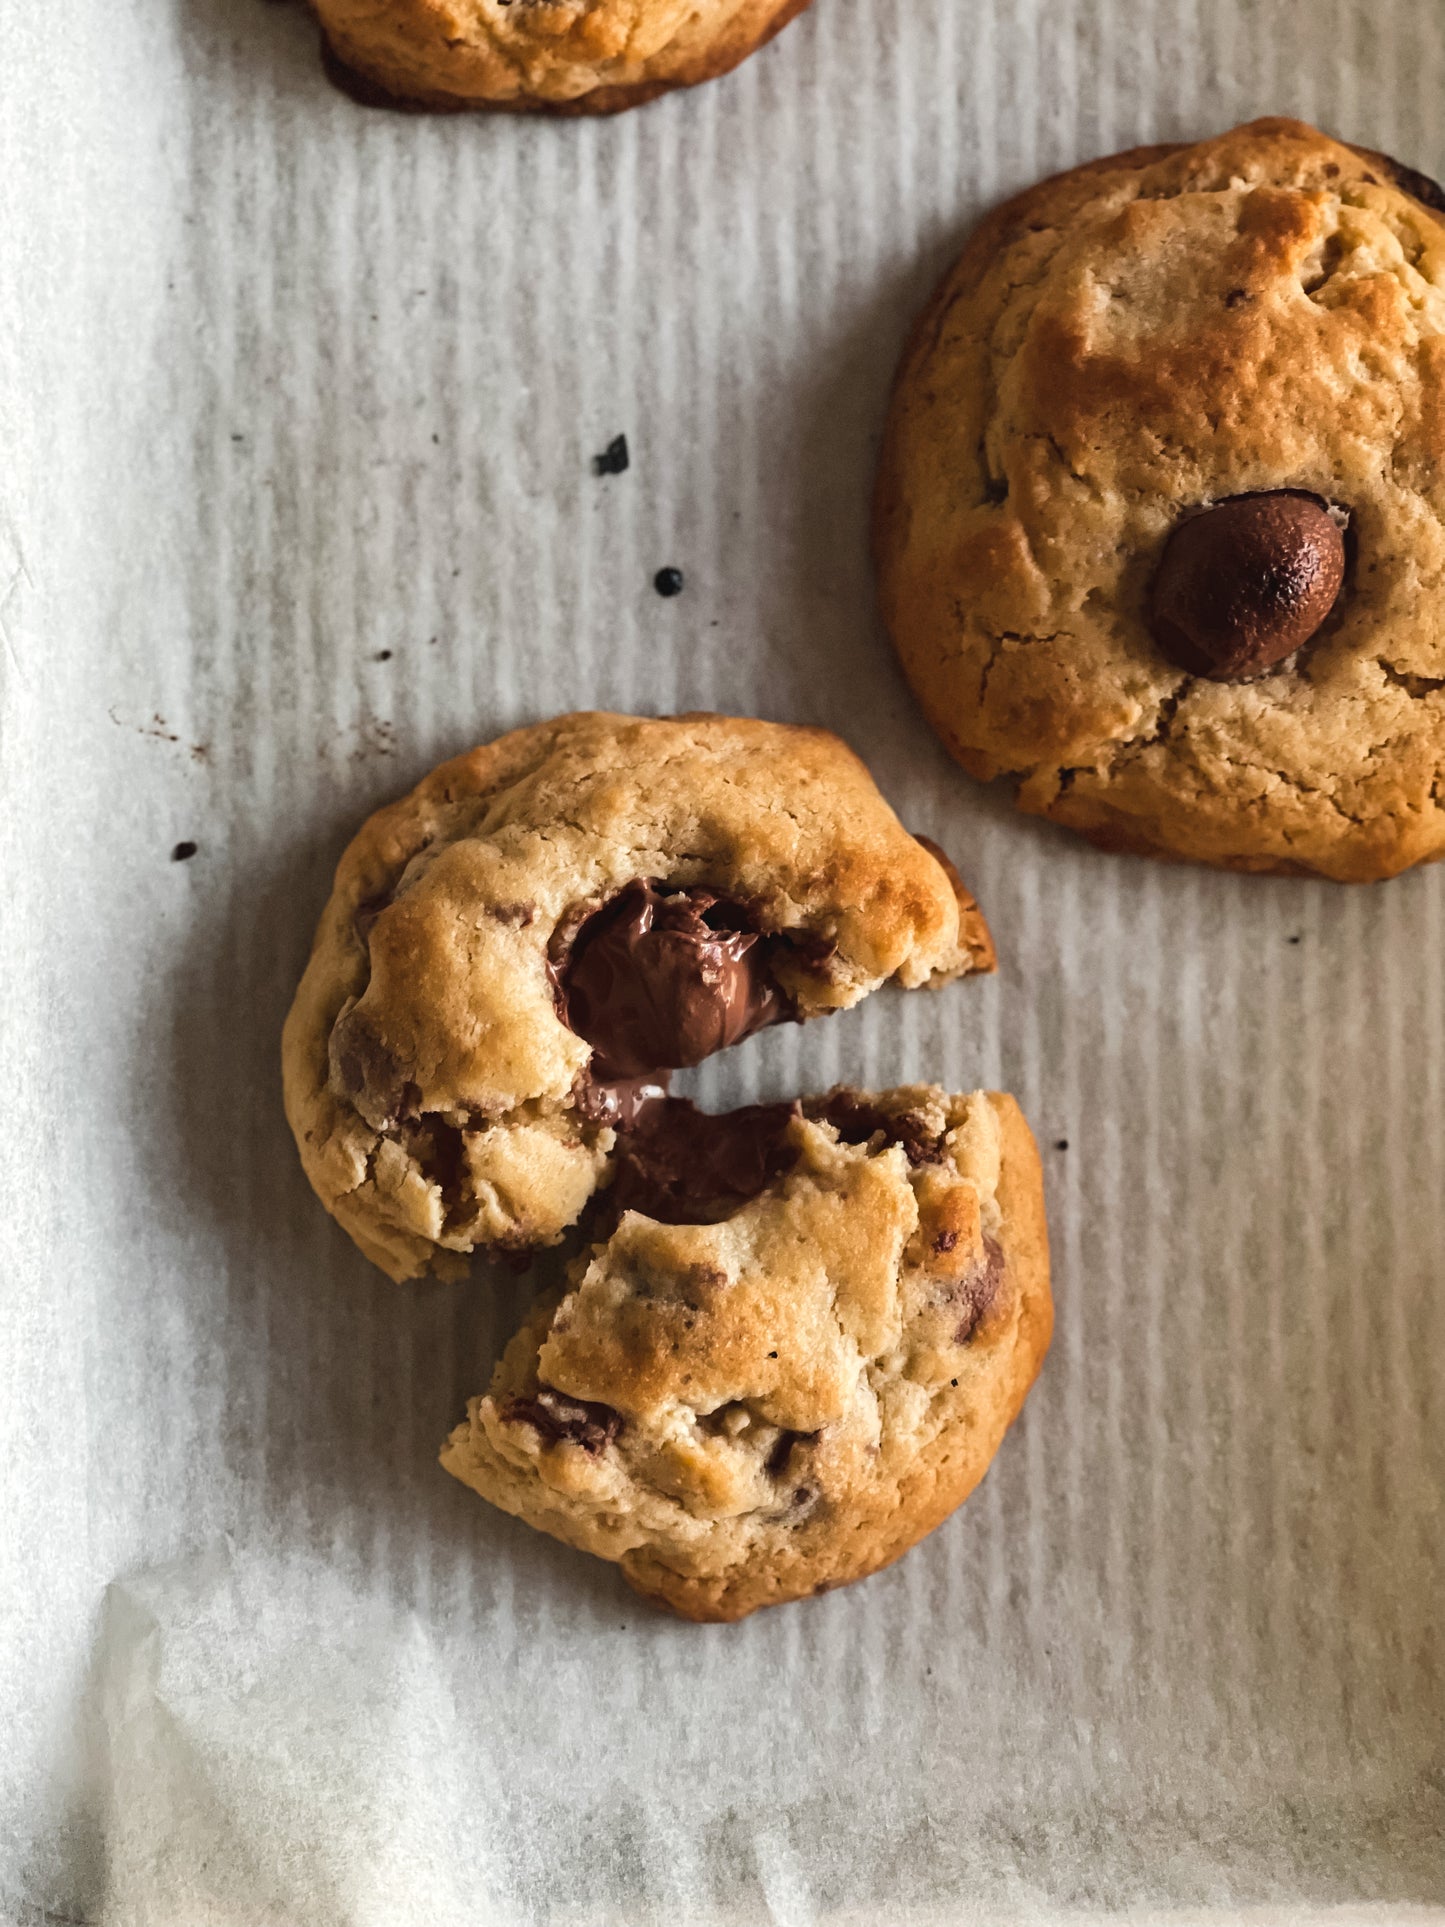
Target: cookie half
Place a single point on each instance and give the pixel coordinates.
(515, 955)
(538, 56)
(1160, 522)
(754, 1409)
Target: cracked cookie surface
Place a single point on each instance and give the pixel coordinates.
(754, 1410)
(440, 1097)
(540, 56)
(1117, 349)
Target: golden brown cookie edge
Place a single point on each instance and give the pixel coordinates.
(744, 36)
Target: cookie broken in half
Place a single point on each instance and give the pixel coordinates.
(799, 1331)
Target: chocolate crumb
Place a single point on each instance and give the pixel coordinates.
(183, 852)
(668, 582)
(614, 459)
(1061, 1144)
(945, 1241)
(383, 655)
(1236, 297)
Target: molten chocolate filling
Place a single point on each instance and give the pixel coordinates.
(658, 982)
(681, 1165)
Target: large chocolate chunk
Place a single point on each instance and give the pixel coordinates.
(659, 982)
(1244, 584)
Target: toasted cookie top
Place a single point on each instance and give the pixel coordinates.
(751, 1410)
(591, 55)
(1160, 521)
(506, 946)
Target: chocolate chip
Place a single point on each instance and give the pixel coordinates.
(858, 1121)
(976, 1293)
(659, 982)
(668, 582)
(183, 852)
(562, 1420)
(1245, 583)
(369, 1073)
(614, 458)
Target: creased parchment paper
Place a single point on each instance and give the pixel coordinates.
(297, 410)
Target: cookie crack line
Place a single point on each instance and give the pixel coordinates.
(478, 1058)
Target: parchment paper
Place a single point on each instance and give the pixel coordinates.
(297, 410)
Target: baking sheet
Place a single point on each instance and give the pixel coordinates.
(297, 410)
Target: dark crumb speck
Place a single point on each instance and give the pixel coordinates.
(1236, 297)
(772, 1354)
(1294, 939)
(668, 582)
(1061, 1144)
(953, 1382)
(614, 459)
(383, 655)
(183, 852)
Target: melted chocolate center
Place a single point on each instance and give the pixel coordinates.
(681, 1165)
(658, 982)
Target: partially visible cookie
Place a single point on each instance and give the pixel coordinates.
(783, 1399)
(516, 954)
(1160, 523)
(539, 56)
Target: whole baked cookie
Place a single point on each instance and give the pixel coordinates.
(1160, 523)
(539, 56)
(517, 954)
(748, 1410)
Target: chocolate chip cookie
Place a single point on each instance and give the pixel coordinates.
(745, 1400)
(539, 56)
(1160, 522)
(516, 955)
